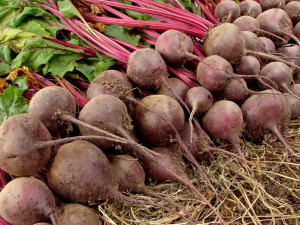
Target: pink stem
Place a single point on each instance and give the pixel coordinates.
(41, 79)
(80, 99)
(159, 26)
(207, 13)
(180, 75)
(186, 14)
(154, 10)
(3, 222)
(89, 52)
(3, 181)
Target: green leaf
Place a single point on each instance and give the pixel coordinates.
(39, 27)
(15, 38)
(197, 10)
(122, 34)
(29, 17)
(5, 59)
(92, 67)
(6, 54)
(68, 9)
(4, 2)
(11, 100)
(4, 69)
(43, 55)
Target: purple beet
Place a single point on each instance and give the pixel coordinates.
(152, 127)
(236, 90)
(199, 100)
(129, 175)
(251, 42)
(227, 41)
(146, 69)
(45, 103)
(293, 102)
(248, 65)
(109, 113)
(111, 82)
(224, 120)
(231, 38)
(27, 200)
(250, 8)
(278, 22)
(293, 10)
(227, 11)
(175, 47)
(292, 52)
(280, 74)
(199, 144)
(269, 4)
(177, 86)
(297, 30)
(247, 23)
(266, 112)
(266, 45)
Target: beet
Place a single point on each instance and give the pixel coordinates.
(293, 102)
(77, 214)
(250, 8)
(224, 120)
(45, 103)
(129, 175)
(276, 21)
(199, 100)
(175, 47)
(72, 178)
(280, 74)
(152, 127)
(247, 23)
(18, 136)
(109, 113)
(269, 4)
(146, 69)
(266, 45)
(236, 90)
(266, 112)
(26, 201)
(177, 86)
(248, 65)
(216, 44)
(111, 82)
(80, 173)
(297, 30)
(251, 42)
(213, 72)
(293, 10)
(227, 41)
(199, 144)
(171, 159)
(292, 52)
(227, 11)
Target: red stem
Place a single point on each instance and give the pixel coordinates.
(207, 13)
(159, 26)
(163, 10)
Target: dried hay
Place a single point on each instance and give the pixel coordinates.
(265, 193)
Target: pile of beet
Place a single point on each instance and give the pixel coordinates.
(203, 151)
